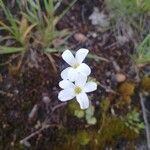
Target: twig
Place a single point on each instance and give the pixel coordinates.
(116, 66)
(58, 106)
(10, 59)
(45, 126)
(136, 69)
(102, 124)
(33, 112)
(110, 46)
(97, 58)
(6, 93)
(33, 134)
(147, 130)
(51, 59)
(107, 89)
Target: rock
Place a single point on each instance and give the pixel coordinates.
(46, 99)
(122, 39)
(120, 77)
(80, 37)
(99, 18)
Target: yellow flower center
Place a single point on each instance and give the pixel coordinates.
(77, 90)
(75, 66)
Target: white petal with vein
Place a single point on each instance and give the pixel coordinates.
(90, 86)
(72, 74)
(68, 57)
(64, 84)
(64, 73)
(81, 54)
(80, 80)
(84, 68)
(83, 100)
(66, 95)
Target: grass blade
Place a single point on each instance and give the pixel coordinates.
(9, 50)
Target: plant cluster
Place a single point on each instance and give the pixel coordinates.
(132, 120)
(124, 8)
(145, 83)
(130, 19)
(37, 24)
(114, 128)
(88, 114)
(126, 90)
(142, 55)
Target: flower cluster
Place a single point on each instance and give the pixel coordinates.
(74, 83)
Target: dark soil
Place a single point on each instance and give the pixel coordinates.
(35, 83)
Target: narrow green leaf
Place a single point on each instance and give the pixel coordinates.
(9, 50)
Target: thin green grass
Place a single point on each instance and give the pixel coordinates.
(124, 8)
(18, 29)
(129, 18)
(35, 15)
(45, 21)
(10, 50)
(142, 55)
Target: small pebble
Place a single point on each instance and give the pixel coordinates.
(33, 112)
(12, 144)
(46, 99)
(120, 77)
(16, 91)
(94, 35)
(108, 73)
(80, 37)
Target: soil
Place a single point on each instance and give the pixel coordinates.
(28, 96)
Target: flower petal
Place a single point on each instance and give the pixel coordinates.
(65, 84)
(72, 74)
(68, 57)
(66, 95)
(80, 80)
(90, 86)
(84, 68)
(81, 54)
(83, 100)
(64, 73)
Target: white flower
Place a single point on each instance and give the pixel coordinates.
(76, 64)
(77, 89)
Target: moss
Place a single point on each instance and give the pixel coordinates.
(105, 103)
(13, 70)
(70, 142)
(20, 147)
(88, 114)
(112, 128)
(145, 84)
(72, 106)
(126, 90)
(125, 99)
(112, 131)
(83, 137)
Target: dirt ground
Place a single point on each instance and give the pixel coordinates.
(28, 96)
